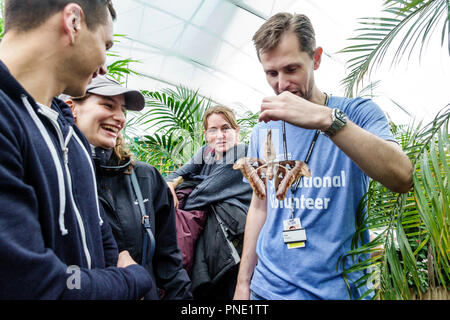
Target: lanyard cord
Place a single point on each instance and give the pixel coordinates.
(308, 155)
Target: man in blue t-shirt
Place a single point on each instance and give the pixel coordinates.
(356, 144)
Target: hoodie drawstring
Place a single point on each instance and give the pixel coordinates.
(54, 154)
(89, 160)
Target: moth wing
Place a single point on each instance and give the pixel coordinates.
(252, 172)
(288, 175)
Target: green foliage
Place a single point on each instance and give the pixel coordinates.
(1, 20)
(120, 68)
(411, 246)
(174, 117)
(246, 124)
(412, 22)
(409, 252)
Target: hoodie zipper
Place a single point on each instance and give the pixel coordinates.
(52, 116)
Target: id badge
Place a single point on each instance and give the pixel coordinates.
(296, 235)
(293, 234)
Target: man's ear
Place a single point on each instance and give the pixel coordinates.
(317, 57)
(72, 15)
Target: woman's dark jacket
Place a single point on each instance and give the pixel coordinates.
(221, 191)
(122, 210)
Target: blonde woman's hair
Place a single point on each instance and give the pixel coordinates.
(121, 150)
(223, 110)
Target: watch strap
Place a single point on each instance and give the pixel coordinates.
(339, 119)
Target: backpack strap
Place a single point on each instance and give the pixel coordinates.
(145, 222)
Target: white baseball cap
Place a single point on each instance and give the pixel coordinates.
(134, 100)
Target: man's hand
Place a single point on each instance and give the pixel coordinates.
(296, 111)
(125, 259)
(242, 291)
(382, 160)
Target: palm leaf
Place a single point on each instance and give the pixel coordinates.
(409, 227)
(412, 20)
(120, 68)
(174, 119)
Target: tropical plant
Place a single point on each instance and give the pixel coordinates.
(410, 252)
(119, 69)
(1, 20)
(174, 119)
(411, 22)
(175, 122)
(246, 124)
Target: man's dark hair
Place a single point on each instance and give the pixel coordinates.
(270, 33)
(25, 15)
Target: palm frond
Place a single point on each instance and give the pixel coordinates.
(119, 69)
(410, 21)
(412, 229)
(174, 119)
(246, 124)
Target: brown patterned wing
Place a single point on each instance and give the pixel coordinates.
(287, 173)
(253, 170)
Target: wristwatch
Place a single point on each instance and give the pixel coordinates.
(339, 121)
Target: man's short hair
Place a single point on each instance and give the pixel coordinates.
(270, 33)
(25, 15)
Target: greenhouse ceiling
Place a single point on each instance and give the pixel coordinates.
(206, 45)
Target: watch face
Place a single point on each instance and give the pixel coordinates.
(339, 121)
(341, 115)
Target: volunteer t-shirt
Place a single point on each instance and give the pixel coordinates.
(325, 204)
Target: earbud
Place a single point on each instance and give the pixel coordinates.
(76, 19)
(72, 19)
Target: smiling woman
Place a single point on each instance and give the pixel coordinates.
(100, 115)
(100, 118)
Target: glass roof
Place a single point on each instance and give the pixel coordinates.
(206, 45)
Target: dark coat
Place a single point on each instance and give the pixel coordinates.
(52, 229)
(122, 210)
(218, 181)
(221, 192)
(219, 247)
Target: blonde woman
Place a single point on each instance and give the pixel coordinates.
(213, 204)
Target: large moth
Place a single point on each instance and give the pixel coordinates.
(257, 171)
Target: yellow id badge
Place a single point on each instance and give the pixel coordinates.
(293, 234)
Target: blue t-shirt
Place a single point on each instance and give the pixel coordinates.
(326, 205)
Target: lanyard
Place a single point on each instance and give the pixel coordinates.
(308, 155)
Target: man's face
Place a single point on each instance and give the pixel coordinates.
(89, 56)
(289, 69)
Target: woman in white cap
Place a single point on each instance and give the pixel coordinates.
(135, 197)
